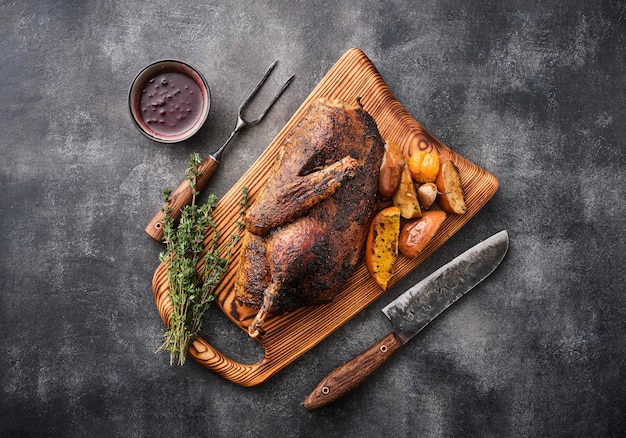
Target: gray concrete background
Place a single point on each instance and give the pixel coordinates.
(533, 91)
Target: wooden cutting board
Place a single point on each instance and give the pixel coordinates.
(291, 335)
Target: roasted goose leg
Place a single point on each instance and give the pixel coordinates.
(306, 229)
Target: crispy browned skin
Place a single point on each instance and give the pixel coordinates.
(305, 231)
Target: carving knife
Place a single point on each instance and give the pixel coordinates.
(411, 312)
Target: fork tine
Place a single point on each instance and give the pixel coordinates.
(242, 121)
(280, 92)
(258, 87)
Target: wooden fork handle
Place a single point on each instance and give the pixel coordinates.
(180, 197)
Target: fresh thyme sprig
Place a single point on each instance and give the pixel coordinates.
(193, 271)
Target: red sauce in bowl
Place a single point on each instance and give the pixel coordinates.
(170, 103)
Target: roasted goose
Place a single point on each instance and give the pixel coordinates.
(306, 229)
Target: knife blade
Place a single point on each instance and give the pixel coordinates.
(411, 312)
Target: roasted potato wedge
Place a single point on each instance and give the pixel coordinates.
(405, 197)
(381, 247)
(416, 234)
(390, 170)
(451, 196)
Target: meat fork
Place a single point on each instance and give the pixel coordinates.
(183, 194)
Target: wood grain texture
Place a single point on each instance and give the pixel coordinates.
(352, 373)
(289, 336)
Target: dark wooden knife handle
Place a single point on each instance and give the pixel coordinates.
(352, 373)
(182, 196)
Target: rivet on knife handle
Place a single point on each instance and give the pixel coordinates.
(352, 373)
(181, 197)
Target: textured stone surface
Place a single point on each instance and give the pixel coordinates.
(533, 91)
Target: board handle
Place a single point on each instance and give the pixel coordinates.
(214, 360)
(180, 197)
(204, 353)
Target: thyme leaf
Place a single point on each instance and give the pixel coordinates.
(194, 269)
